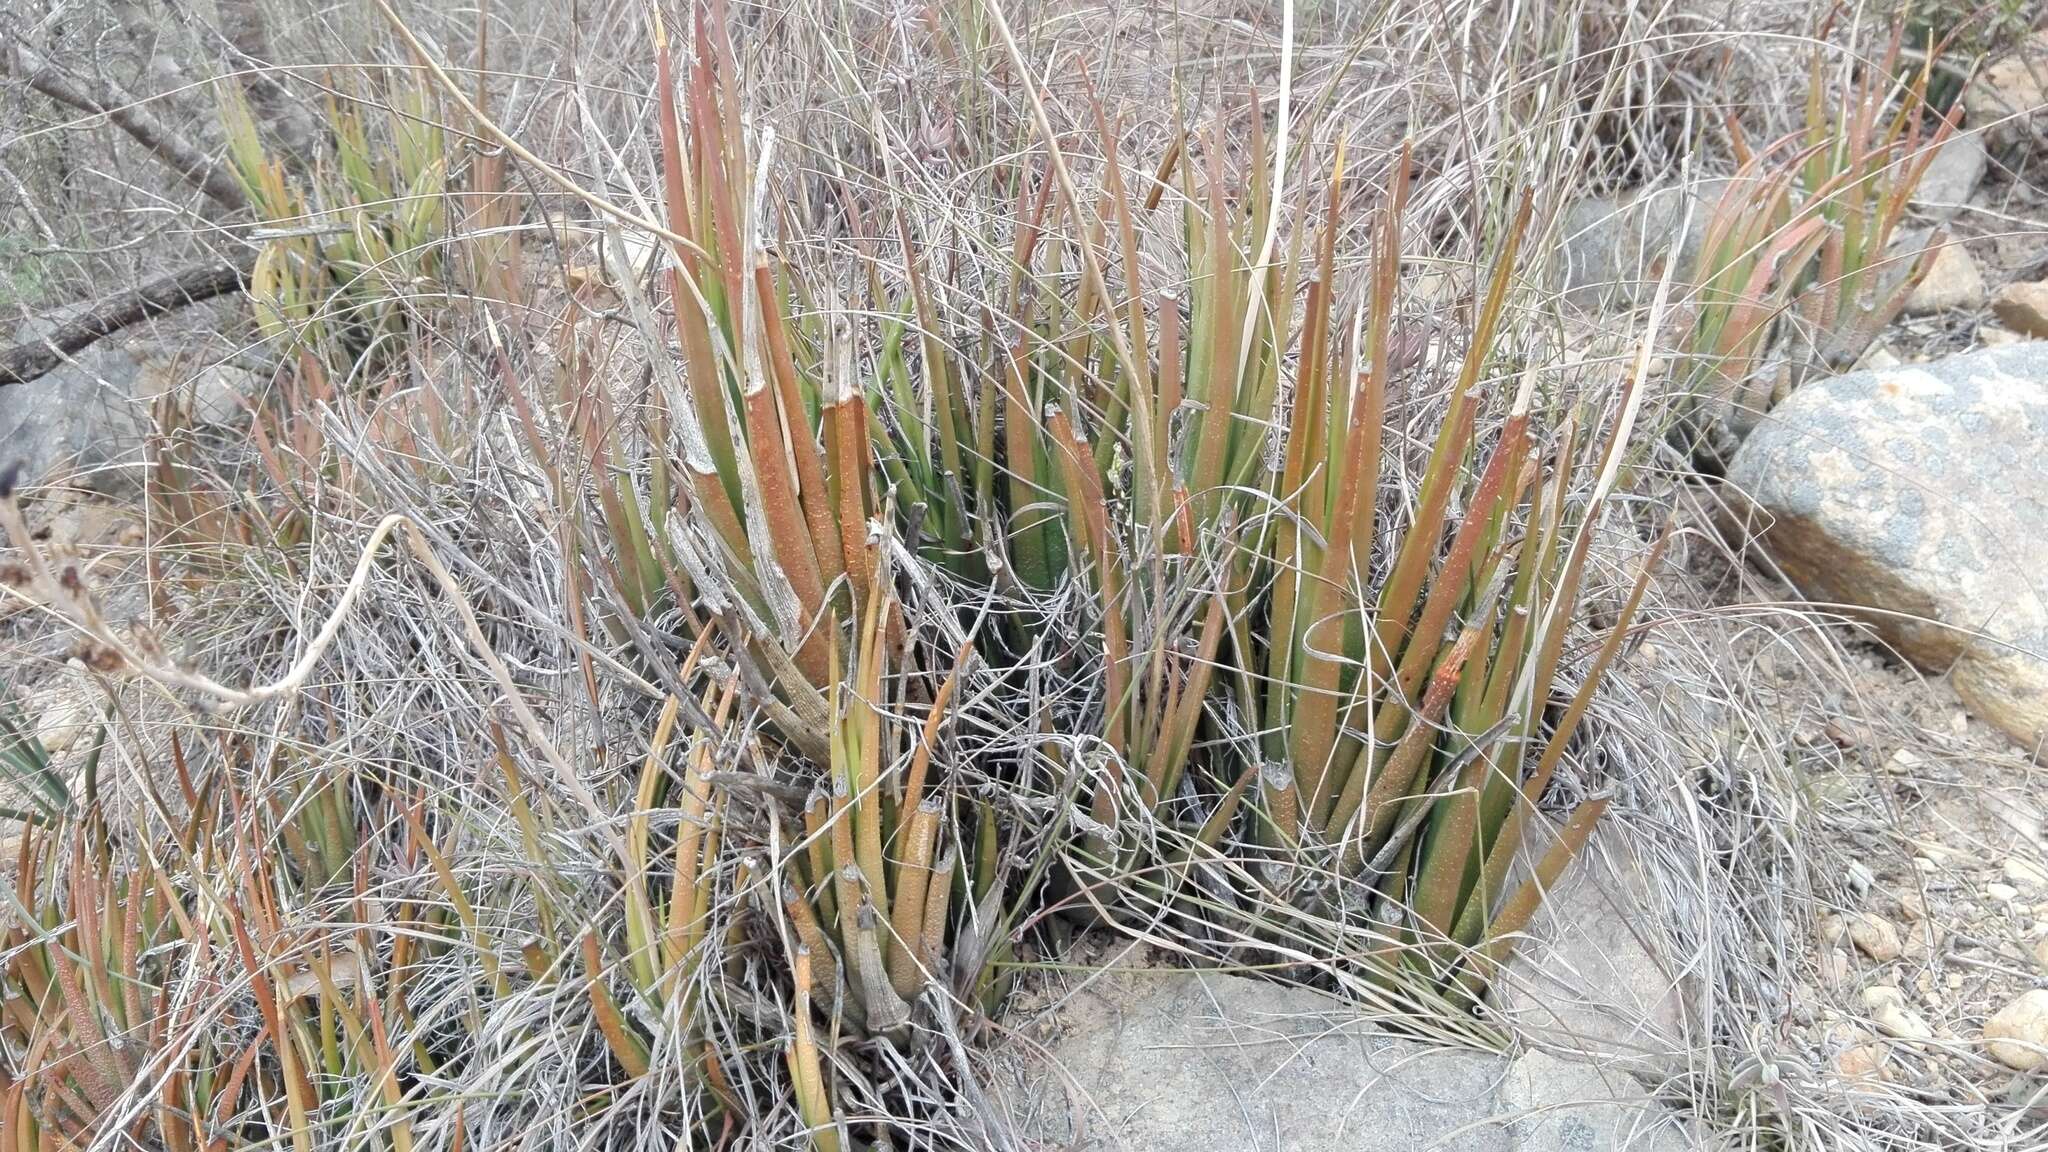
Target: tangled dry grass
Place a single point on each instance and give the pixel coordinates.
(490, 749)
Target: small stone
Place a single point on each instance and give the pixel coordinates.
(1887, 1006)
(1862, 1061)
(2041, 952)
(1881, 356)
(2023, 307)
(1874, 936)
(1834, 967)
(1951, 176)
(1913, 905)
(2018, 1033)
(1993, 336)
(2008, 93)
(2025, 873)
(2017, 814)
(1921, 942)
(2003, 893)
(1926, 865)
(61, 717)
(1904, 762)
(1614, 250)
(1902, 1023)
(1952, 283)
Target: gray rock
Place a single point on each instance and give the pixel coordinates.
(1952, 176)
(90, 416)
(1166, 1061)
(1554, 1105)
(1596, 979)
(82, 414)
(1614, 249)
(214, 394)
(1162, 1060)
(1918, 497)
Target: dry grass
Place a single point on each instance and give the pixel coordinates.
(697, 616)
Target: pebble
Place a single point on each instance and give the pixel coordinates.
(1913, 905)
(1887, 1006)
(2025, 873)
(2041, 952)
(1834, 966)
(1842, 734)
(1862, 1061)
(1952, 282)
(1993, 336)
(61, 716)
(2003, 97)
(2023, 307)
(2003, 893)
(1921, 942)
(2017, 814)
(1874, 936)
(1929, 995)
(2018, 1034)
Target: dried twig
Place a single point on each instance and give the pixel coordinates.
(31, 358)
(130, 115)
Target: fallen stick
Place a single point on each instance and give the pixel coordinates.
(31, 358)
